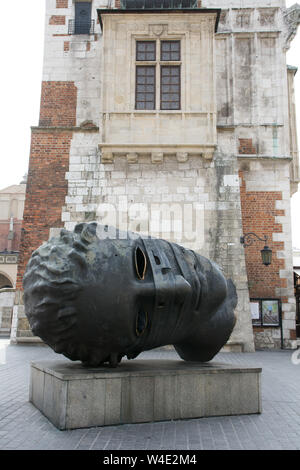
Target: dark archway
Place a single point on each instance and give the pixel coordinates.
(5, 282)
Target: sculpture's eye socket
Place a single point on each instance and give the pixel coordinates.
(140, 263)
(141, 322)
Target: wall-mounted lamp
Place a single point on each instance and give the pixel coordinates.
(266, 253)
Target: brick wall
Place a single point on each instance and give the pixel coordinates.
(258, 216)
(45, 192)
(58, 104)
(57, 20)
(61, 3)
(246, 147)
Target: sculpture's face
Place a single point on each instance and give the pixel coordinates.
(136, 295)
(100, 299)
(117, 302)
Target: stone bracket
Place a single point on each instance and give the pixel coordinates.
(156, 155)
(292, 21)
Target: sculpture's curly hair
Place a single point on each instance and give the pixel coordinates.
(54, 277)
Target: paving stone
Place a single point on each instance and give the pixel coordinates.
(22, 426)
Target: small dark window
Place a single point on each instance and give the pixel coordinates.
(145, 87)
(82, 17)
(145, 50)
(170, 50)
(170, 87)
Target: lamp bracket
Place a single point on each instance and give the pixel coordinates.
(249, 238)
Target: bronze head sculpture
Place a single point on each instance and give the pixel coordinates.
(98, 298)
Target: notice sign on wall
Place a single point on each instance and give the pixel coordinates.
(265, 312)
(255, 310)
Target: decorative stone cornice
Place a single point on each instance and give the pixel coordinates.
(156, 154)
(11, 258)
(292, 21)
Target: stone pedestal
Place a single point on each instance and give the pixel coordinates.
(72, 396)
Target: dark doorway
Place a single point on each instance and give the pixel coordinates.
(5, 282)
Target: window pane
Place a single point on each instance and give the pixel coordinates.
(141, 56)
(145, 87)
(165, 56)
(165, 46)
(145, 50)
(150, 46)
(170, 50)
(170, 94)
(150, 71)
(174, 56)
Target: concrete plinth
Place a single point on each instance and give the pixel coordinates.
(72, 396)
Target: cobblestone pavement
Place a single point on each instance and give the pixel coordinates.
(22, 426)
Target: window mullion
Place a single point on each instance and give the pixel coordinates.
(157, 76)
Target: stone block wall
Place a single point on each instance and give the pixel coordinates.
(147, 197)
(255, 112)
(71, 179)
